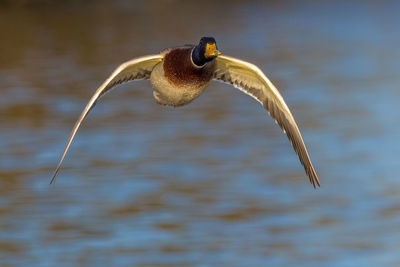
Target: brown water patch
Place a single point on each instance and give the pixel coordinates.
(170, 226)
(247, 213)
(391, 211)
(66, 230)
(10, 180)
(148, 203)
(193, 140)
(11, 247)
(125, 210)
(326, 221)
(171, 248)
(30, 114)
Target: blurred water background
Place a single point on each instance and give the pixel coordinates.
(214, 183)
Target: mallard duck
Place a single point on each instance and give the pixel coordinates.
(180, 74)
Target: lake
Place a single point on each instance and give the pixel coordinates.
(213, 183)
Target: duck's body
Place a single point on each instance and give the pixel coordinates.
(180, 74)
(176, 80)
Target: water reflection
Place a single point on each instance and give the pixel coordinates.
(213, 183)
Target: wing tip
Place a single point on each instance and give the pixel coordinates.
(314, 178)
(53, 178)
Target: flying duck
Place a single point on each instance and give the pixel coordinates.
(180, 74)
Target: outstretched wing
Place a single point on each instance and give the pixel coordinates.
(135, 69)
(252, 81)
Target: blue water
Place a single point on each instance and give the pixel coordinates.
(214, 183)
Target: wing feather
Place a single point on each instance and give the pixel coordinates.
(252, 81)
(135, 69)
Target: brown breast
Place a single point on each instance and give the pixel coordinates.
(179, 70)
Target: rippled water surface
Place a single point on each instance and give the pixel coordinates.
(214, 183)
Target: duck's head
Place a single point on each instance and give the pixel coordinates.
(205, 51)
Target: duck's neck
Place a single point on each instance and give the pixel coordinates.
(198, 57)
